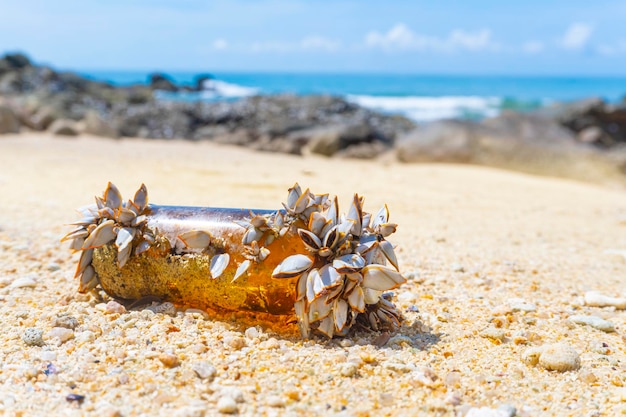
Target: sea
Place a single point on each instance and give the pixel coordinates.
(419, 97)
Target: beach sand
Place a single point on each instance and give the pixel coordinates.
(497, 262)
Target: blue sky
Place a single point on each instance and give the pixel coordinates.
(458, 37)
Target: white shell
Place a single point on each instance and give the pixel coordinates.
(292, 266)
(101, 235)
(381, 278)
(349, 263)
(219, 264)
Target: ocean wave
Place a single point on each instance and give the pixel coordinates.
(217, 88)
(421, 109)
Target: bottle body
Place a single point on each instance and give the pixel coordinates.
(184, 276)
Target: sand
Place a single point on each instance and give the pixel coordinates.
(497, 263)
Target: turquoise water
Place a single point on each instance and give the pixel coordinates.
(421, 97)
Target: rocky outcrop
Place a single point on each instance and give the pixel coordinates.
(522, 142)
(9, 122)
(64, 127)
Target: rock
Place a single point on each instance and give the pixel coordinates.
(98, 126)
(14, 61)
(444, 141)
(275, 401)
(202, 82)
(486, 412)
(348, 369)
(596, 299)
(162, 82)
(595, 322)
(515, 141)
(33, 337)
(495, 334)
(226, 405)
(169, 360)
(555, 357)
(43, 118)
(61, 334)
(113, 307)
(67, 322)
(24, 282)
(204, 370)
(9, 122)
(64, 127)
(251, 333)
(591, 134)
(364, 150)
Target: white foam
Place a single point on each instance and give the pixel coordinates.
(218, 88)
(421, 108)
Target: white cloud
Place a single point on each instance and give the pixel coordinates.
(220, 44)
(401, 37)
(533, 47)
(310, 43)
(576, 36)
(617, 48)
(319, 43)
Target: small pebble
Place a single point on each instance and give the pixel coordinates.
(556, 357)
(407, 297)
(233, 392)
(275, 401)
(164, 308)
(349, 369)
(453, 399)
(47, 355)
(60, 333)
(113, 307)
(595, 322)
(456, 267)
(204, 370)
(234, 342)
(519, 304)
(226, 405)
(596, 299)
(494, 334)
(485, 412)
(508, 410)
(169, 360)
(53, 266)
(424, 376)
(67, 322)
(24, 282)
(33, 337)
(75, 397)
(251, 333)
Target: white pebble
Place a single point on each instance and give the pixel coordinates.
(226, 405)
(595, 322)
(53, 266)
(407, 297)
(60, 333)
(275, 401)
(519, 304)
(204, 370)
(424, 376)
(349, 369)
(486, 412)
(24, 282)
(48, 355)
(233, 392)
(113, 307)
(252, 333)
(68, 322)
(596, 299)
(555, 357)
(33, 337)
(164, 308)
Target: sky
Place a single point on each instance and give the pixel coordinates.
(533, 37)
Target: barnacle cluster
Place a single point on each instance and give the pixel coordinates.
(343, 275)
(331, 269)
(111, 220)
